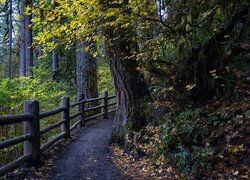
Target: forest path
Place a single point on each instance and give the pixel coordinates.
(88, 157)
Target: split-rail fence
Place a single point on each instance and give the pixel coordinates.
(31, 138)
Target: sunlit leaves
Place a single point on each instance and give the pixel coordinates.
(13, 92)
(71, 20)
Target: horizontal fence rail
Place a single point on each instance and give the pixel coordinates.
(32, 148)
(14, 141)
(111, 104)
(94, 99)
(15, 164)
(14, 119)
(94, 117)
(52, 141)
(53, 126)
(52, 112)
(75, 125)
(93, 108)
(75, 115)
(78, 103)
(112, 97)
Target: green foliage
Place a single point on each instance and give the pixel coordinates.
(187, 142)
(13, 93)
(192, 161)
(169, 56)
(105, 81)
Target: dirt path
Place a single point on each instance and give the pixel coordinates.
(88, 157)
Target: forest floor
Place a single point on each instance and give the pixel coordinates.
(231, 160)
(231, 143)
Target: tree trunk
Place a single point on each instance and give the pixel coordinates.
(22, 39)
(55, 60)
(26, 51)
(55, 63)
(10, 39)
(86, 71)
(55, 57)
(28, 34)
(132, 96)
(40, 50)
(131, 90)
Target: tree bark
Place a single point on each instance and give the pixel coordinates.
(55, 56)
(10, 39)
(26, 51)
(55, 62)
(22, 39)
(86, 71)
(132, 95)
(28, 42)
(131, 90)
(40, 50)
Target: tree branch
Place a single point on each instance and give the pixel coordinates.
(218, 36)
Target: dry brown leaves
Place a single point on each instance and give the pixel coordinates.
(144, 168)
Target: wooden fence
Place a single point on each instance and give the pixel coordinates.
(32, 148)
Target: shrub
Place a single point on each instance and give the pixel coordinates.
(13, 92)
(187, 142)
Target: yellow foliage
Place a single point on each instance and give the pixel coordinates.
(71, 20)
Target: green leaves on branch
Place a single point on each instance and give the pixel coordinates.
(13, 92)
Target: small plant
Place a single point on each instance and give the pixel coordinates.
(186, 141)
(192, 160)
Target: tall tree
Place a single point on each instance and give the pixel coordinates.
(10, 39)
(40, 48)
(131, 89)
(4, 29)
(55, 61)
(22, 39)
(28, 40)
(86, 70)
(26, 50)
(55, 56)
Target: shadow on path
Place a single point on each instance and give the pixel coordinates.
(88, 157)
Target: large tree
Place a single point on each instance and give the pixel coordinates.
(26, 50)
(109, 21)
(10, 39)
(22, 40)
(131, 89)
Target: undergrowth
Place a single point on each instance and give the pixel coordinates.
(186, 139)
(13, 93)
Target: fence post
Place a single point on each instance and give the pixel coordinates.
(65, 116)
(105, 104)
(81, 108)
(33, 128)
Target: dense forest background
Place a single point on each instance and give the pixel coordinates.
(180, 70)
